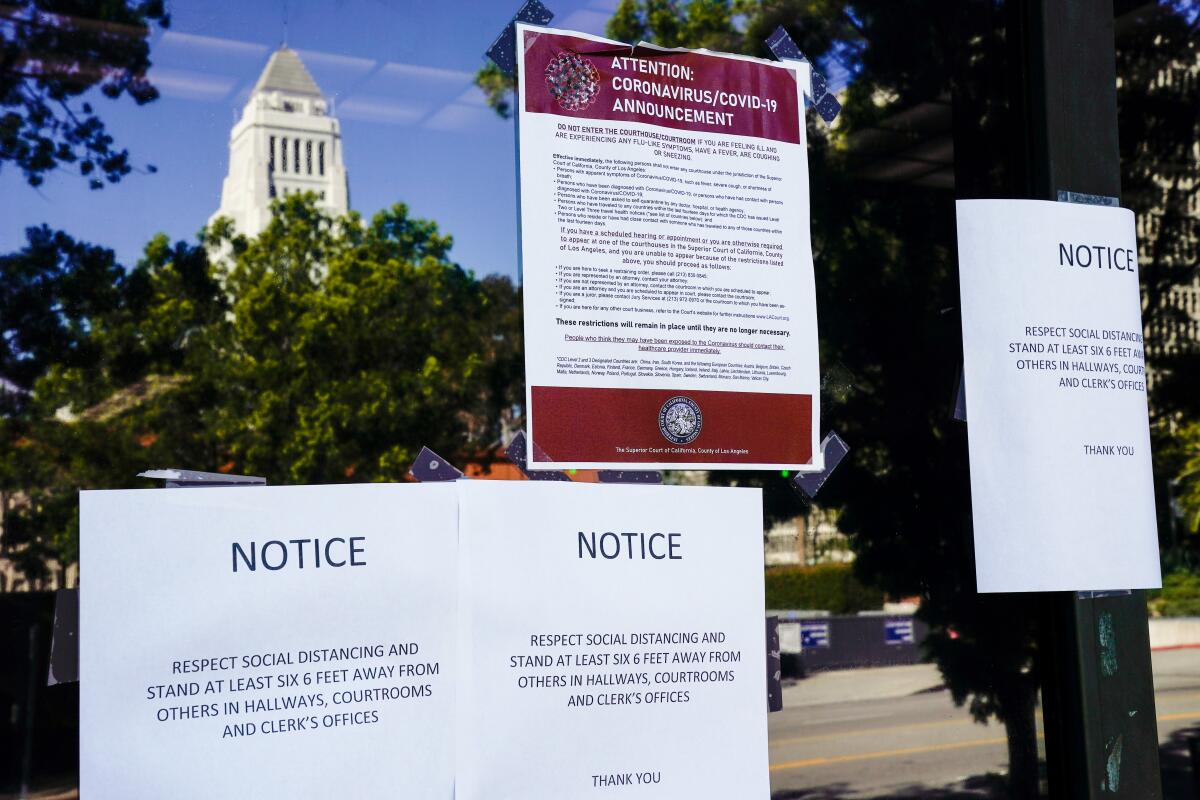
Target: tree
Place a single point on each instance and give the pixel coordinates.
(322, 350)
(52, 52)
(103, 355)
(349, 346)
(49, 291)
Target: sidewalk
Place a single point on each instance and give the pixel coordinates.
(872, 683)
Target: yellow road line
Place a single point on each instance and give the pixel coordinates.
(868, 731)
(929, 748)
(906, 751)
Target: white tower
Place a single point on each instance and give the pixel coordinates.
(284, 143)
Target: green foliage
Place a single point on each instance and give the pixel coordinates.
(322, 350)
(49, 291)
(1187, 486)
(1179, 597)
(497, 88)
(699, 23)
(51, 53)
(827, 587)
(348, 347)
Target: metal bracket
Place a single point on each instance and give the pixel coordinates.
(191, 479)
(430, 467)
(517, 453)
(834, 448)
(503, 51)
(784, 48)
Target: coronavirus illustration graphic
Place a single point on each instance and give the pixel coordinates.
(573, 81)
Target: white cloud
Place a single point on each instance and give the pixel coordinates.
(458, 117)
(416, 71)
(380, 109)
(191, 85)
(191, 42)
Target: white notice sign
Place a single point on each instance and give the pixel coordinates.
(613, 642)
(670, 309)
(267, 642)
(1056, 397)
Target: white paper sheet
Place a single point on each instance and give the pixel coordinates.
(670, 308)
(1056, 397)
(174, 701)
(545, 718)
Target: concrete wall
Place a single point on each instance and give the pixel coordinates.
(1168, 632)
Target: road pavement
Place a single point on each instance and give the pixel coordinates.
(894, 733)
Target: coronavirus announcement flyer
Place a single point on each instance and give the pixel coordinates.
(670, 313)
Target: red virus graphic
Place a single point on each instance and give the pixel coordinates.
(573, 81)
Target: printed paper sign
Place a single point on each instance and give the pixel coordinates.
(268, 642)
(1056, 397)
(813, 634)
(898, 631)
(612, 642)
(670, 314)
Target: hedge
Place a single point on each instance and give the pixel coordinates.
(826, 587)
(1179, 597)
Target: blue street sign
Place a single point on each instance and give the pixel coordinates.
(898, 631)
(813, 633)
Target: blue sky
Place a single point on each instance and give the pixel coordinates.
(414, 128)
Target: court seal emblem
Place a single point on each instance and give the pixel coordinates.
(680, 420)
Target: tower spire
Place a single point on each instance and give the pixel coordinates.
(286, 142)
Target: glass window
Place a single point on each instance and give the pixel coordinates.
(128, 342)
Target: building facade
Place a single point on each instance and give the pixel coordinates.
(1168, 220)
(286, 142)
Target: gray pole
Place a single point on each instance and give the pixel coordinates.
(1098, 690)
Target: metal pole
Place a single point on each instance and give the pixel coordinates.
(1098, 690)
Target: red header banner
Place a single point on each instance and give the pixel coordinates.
(573, 77)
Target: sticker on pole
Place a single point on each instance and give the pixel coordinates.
(670, 309)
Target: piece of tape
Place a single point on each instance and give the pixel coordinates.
(1065, 196)
(1105, 593)
(960, 399)
(64, 641)
(517, 452)
(629, 476)
(429, 466)
(503, 51)
(784, 48)
(835, 450)
(774, 667)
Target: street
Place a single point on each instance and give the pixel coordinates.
(894, 733)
